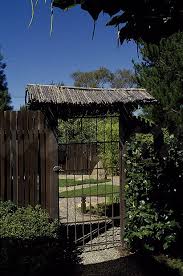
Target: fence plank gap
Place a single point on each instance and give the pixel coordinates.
(21, 200)
(8, 155)
(14, 178)
(2, 157)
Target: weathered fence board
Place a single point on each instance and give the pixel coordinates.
(28, 153)
(14, 156)
(8, 153)
(78, 158)
(2, 155)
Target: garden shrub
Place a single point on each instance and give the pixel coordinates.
(109, 153)
(25, 223)
(153, 194)
(33, 244)
(175, 264)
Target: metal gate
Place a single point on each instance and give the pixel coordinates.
(89, 182)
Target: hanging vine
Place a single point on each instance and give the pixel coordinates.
(34, 5)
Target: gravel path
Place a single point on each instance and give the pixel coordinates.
(70, 212)
(101, 252)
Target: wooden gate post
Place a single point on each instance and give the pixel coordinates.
(122, 150)
(52, 185)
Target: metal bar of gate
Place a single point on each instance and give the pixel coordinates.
(106, 139)
(122, 177)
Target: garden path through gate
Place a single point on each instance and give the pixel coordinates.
(28, 153)
(89, 155)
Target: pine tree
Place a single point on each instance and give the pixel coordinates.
(5, 98)
(161, 73)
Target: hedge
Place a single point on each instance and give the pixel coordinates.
(33, 244)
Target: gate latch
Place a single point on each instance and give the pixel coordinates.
(57, 169)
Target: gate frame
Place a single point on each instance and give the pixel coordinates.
(62, 102)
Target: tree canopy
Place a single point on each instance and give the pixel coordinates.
(5, 99)
(97, 78)
(103, 77)
(149, 20)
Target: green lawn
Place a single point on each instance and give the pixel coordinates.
(93, 191)
(71, 182)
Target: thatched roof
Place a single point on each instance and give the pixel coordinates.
(84, 98)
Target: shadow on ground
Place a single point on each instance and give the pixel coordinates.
(39, 256)
(133, 265)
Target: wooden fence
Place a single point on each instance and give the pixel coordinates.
(78, 158)
(28, 153)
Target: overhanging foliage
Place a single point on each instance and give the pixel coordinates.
(149, 20)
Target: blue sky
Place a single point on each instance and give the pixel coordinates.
(32, 56)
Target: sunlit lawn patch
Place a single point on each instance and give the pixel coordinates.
(72, 182)
(101, 190)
